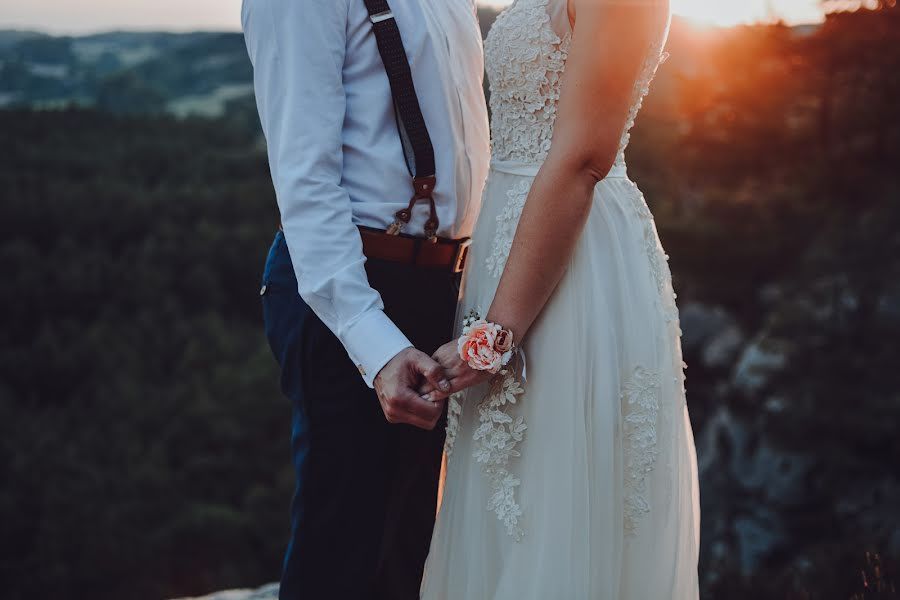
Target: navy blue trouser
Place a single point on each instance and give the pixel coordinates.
(364, 503)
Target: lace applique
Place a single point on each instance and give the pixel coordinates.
(667, 414)
(654, 59)
(641, 397)
(525, 60)
(658, 259)
(507, 221)
(496, 441)
(454, 411)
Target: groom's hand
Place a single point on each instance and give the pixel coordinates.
(396, 385)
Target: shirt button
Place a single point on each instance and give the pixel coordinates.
(361, 370)
(262, 290)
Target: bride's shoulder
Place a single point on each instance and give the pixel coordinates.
(589, 8)
(636, 17)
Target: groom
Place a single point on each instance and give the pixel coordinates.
(347, 306)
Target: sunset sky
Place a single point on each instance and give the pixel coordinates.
(79, 16)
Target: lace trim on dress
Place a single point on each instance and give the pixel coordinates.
(525, 60)
(507, 221)
(654, 59)
(454, 411)
(496, 441)
(641, 396)
(659, 260)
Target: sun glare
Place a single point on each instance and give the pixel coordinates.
(725, 13)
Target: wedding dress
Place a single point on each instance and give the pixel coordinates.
(579, 480)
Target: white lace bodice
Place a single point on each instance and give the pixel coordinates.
(525, 57)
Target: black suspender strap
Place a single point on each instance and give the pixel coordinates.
(410, 122)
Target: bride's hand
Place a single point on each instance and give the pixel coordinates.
(460, 374)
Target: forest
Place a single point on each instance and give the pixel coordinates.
(143, 439)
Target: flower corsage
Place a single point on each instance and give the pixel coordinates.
(485, 346)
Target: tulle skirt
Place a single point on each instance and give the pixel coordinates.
(579, 480)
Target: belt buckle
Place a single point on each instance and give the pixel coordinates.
(462, 252)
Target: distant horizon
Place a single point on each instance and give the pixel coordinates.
(183, 16)
(190, 30)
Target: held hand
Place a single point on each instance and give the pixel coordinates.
(461, 375)
(396, 386)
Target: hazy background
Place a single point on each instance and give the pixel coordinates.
(143, 439)
(69, 16)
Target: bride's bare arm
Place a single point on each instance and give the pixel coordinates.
(609, 46)
(610, 43)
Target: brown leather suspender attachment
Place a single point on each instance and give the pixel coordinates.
(423, 188)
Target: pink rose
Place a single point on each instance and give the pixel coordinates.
(504, 341)
(476, 346)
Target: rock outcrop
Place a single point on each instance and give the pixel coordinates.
(266, 592)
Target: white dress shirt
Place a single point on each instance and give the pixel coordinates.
(334, 151)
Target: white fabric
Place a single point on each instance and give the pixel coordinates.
(531, 170)
(581, 482)
(334, 151)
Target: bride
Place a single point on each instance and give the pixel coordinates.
(571, 470)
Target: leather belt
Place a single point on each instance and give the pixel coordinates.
(443, 253)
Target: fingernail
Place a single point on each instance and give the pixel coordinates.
(427, 397)
(444, 384)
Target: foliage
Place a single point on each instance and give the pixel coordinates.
(143, 440)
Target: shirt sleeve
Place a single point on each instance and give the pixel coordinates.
(297, 50)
